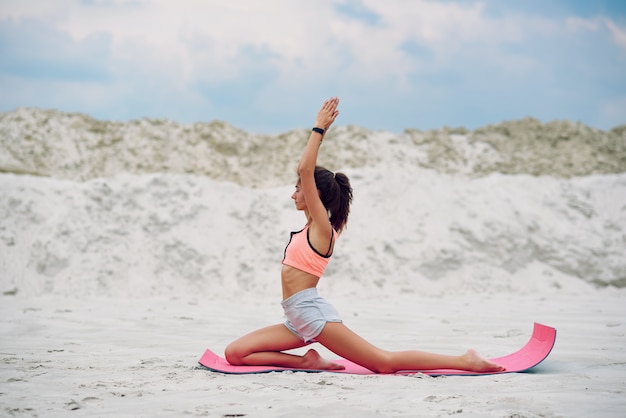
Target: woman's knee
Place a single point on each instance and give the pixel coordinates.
(234, 355)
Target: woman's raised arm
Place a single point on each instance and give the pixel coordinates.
(306, 169)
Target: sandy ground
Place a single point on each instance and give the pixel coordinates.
(138, 357)
(134, 247)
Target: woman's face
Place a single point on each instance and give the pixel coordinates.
(298, 197)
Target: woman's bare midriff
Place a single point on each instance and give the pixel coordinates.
(294, 280)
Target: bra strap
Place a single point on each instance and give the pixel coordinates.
(330, 246)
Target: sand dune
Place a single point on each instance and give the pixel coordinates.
(127, 249)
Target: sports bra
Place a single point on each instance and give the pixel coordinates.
(300, 254)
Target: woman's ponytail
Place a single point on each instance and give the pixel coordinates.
(336, 195)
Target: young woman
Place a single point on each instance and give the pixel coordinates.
(325, 199)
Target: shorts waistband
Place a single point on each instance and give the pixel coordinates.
(296, 297)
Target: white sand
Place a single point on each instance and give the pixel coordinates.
(122, 283)
(121, 357)
(114, 287)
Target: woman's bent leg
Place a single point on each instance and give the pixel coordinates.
(342, 341)
(264, 347)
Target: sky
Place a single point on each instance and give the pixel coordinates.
(266, 66)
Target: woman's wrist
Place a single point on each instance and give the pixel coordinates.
(318, 130)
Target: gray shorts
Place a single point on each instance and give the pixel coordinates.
(307, 313)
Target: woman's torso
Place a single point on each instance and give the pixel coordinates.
(294, 280)
(303, 264)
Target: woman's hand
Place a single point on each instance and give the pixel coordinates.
(327, 114)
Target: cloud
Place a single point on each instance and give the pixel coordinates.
(618, 33)
(265, 65)
(214, 40)
(52, 54)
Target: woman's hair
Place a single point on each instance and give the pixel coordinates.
(335, 194)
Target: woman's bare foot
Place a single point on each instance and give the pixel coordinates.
(314, 361)
(476, 363)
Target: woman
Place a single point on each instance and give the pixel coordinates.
(319, 194)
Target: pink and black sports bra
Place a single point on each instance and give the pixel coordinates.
(300, 254)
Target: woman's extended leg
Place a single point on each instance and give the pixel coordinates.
(342, 341)
(264, 347)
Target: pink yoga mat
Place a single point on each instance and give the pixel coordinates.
(534, 352)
